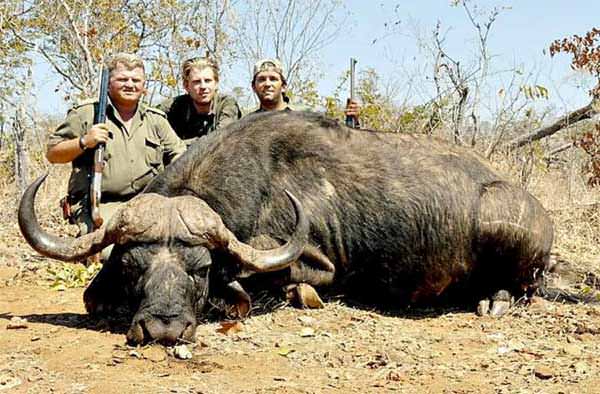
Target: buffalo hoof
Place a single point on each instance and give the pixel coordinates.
(483, 308)
(501, 302)
(304, 296)
(499, 308)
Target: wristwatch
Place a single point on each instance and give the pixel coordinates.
(81, 144)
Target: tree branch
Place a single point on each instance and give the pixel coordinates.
(576, 116)
(82, 45)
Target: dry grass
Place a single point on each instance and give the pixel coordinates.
(14, 250)
(575, 211)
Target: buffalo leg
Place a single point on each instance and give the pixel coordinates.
(313, 268)
(501, 303)
(303, 295)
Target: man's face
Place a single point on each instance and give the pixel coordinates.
(126, 86)
(269, 87)
(201, 85)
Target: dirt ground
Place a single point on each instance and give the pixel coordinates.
(547, 347)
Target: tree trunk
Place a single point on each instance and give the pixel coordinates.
(576, 116)
(20, 154)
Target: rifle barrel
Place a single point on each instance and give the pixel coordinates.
(100, 115)
(350, 120)
(98, 167)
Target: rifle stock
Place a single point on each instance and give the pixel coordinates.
(98, 167)
(351, 120)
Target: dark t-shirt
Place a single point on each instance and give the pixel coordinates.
(189, 124)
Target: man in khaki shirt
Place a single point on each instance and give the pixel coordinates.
(139, 143)
(203, 108)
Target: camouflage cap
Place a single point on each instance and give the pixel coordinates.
(268, 65)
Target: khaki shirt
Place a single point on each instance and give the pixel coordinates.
(190, 125)
(133, 157)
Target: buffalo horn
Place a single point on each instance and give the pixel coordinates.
(274, 259)
(65, 249)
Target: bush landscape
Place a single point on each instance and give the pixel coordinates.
(49, 343)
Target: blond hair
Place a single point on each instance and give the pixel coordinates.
(199, 63)
(129, 60)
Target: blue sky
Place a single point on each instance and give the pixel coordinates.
(519, 36)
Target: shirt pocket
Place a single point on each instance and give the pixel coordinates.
(154, 153)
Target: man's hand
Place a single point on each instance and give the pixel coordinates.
(66, 151)
(352, 110)
(98, 134)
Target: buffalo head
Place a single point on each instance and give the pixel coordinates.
(163, 252)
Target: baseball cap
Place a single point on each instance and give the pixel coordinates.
(268, 65)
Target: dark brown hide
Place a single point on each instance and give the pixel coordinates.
(411, 216)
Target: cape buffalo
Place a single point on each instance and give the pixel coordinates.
(412, 218)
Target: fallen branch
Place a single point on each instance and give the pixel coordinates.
(558, 149)
(576, 116)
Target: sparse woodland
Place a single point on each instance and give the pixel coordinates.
(555, 155)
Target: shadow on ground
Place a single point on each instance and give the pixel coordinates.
(115, 325)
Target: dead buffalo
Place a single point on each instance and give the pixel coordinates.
(410, 218)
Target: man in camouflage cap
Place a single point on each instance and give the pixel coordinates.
(270, 85)
(202, 109)
(139, 142)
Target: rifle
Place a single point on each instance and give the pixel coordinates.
(351, 120)
(98, 167)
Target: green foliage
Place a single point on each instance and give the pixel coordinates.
(77, 36)
(306, 93)
(69, 275)
(412, 119)
(378, 110)
(534, 92)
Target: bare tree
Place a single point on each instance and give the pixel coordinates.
(459, 82)
(290, 30)
(20, 160)
(455, 73)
